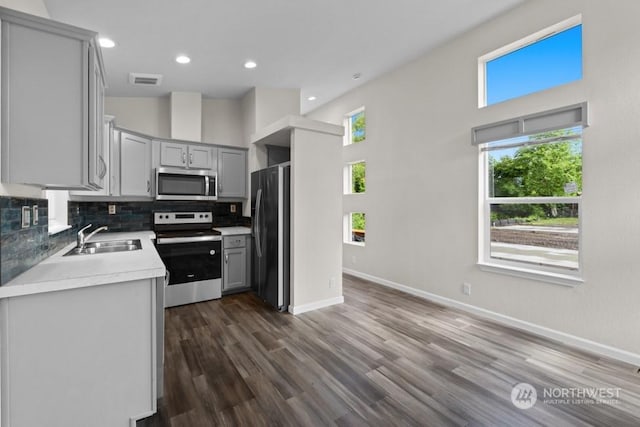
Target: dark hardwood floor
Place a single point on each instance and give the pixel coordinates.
(382, 358)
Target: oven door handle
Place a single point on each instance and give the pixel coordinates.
(256, 226)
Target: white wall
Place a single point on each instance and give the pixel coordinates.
(186, 116)
(422, 173)
(150, 116)
(273, 104)
(34, 7)
(222, 122)
(316, 249)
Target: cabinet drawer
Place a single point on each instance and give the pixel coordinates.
(234, 242)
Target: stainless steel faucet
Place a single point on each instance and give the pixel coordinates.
(82, 239)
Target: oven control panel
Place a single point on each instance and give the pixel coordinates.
(182, 218)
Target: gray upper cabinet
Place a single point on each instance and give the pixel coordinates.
(135, 165)
(201, 157)
(181, 155)
(104, 164)
(232, 173)
(97, 144)
(52, 95)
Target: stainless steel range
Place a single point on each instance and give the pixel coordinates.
(192, 253)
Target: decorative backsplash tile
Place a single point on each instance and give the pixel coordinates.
(137, 216)
(22, 248)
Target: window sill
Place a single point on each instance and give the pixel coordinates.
(541, 276)
(57, 228)
(354, 244)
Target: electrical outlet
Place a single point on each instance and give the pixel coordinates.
(26, 216)
(466, 288)
(232, 208)
(34, 210)
(112, 209)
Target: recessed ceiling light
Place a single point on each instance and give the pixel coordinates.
(311, 98)
(250, 64)
(183, 59)
(105, 42)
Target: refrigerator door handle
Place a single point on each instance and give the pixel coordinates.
(257, 223)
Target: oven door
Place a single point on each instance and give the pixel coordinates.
(192, 261)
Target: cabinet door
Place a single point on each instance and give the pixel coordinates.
(200, 157)
(232, 173)
(105, 158)
(173, 154)
(135, 165)
(235, 269)
(97, 163)
(45, 84)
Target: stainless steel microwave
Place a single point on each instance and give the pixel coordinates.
(172, 184)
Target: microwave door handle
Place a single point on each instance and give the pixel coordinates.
(206, 185)
(256, 225)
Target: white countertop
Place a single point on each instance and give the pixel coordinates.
(233, 231)
(78, 271)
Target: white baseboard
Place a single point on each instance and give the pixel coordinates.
(571, 340)
(298, 309)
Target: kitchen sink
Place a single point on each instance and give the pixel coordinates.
(92, 248)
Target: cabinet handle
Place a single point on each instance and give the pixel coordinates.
(103, 165)
(226, 258)
(190, 158)
(184, 157)
(148, 186)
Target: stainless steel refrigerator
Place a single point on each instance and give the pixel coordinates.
(270, 197)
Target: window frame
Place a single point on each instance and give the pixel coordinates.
(348, 136)
(511, 47)
(57, 211)
(348, 178)
(557, 119)
(348, 229)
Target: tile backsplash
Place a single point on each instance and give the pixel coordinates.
(136, 216)
(22, 248)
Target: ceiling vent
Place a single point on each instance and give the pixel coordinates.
(140, 79)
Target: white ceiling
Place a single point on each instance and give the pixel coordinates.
(314, 45)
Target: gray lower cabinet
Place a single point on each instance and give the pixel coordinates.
(236, 263)
(135, 165)
(232, 173)
(52, 95)
(80, 357)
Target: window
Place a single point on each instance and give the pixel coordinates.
(530, 192)
(355, 180)
(355, 226)
(355, 127)
(546, 59)
(57, 210)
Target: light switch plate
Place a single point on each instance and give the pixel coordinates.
(34, 209)
(26, 216)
